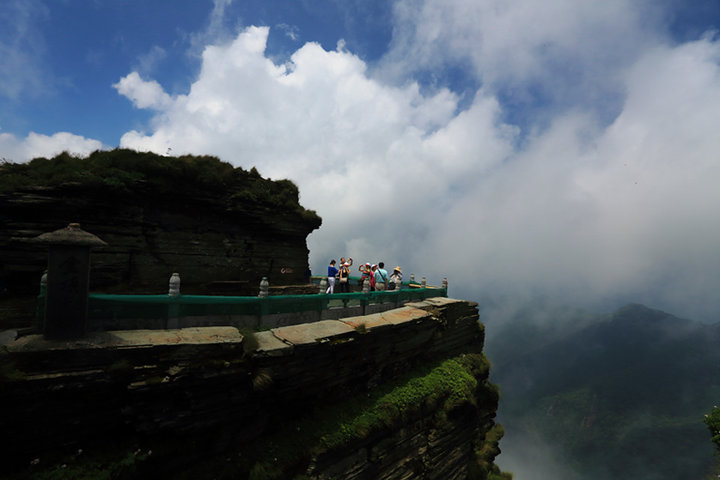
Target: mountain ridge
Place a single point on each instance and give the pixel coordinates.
(637, 380)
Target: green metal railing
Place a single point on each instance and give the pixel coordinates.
(104, 306)
(107, 307)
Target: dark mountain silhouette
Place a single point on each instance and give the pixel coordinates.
(618, 396)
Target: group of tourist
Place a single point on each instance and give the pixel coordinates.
(375, 274)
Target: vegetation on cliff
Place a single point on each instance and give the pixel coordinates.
(712, 421)
(127, 171)
(431, 394)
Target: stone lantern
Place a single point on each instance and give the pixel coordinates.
(68, 278)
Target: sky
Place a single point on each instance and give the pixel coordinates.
(524, 148)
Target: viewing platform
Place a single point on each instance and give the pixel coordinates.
(174, 311)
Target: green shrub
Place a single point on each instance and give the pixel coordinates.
(123, 171)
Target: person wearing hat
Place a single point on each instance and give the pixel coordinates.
(395, 278)
(372, 277)
(365, 270)
(344, 277)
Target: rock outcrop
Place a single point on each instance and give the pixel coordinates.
(234, 229)
(406, 395)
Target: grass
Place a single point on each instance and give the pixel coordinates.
(127, 172)
(431, 392)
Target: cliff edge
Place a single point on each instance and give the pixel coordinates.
(194, 215)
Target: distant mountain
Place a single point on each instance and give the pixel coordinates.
(616, 397)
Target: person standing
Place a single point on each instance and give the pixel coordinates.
(344, 277)
(332, 272)
(381, 277)
(365, 271)
(395, 278)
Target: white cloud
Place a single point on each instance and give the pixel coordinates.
(566, 52)
(22, 49)
(35, 145)
(365, 155)
(143, 94)
(582, 209)
(149, 61)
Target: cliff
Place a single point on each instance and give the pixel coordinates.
(194, 215)
(398, 394)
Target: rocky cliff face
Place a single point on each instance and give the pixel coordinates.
(152, 233)
(398, 394)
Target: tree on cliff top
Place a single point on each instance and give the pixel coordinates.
(128, 171)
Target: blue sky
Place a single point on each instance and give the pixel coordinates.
(557, 147)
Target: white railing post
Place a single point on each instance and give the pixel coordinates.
(174, 285)
(264, 288)
(366, 286)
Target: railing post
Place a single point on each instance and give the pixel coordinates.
(366, 295)
(323, 285)
(412, 277)
(40, 311)
(445, 285)
(423, 282)
(174, 285)
(173, 315)
(264, 288)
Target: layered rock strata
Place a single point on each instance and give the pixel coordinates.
(215, 400)
(150, 236)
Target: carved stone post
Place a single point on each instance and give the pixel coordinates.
(366, 286)
(423, 282)
(68, 281)
(412, 277)
(323, 285)
(445, 284)
(264, 288)
(174, 285)
(40, 309)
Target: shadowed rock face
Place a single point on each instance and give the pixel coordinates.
(407, 397)
(150, 235)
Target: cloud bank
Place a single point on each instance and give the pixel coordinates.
(39, 145)
(579, 160)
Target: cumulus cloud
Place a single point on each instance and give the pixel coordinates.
(37, 145)
(557, 53)
(143, 94)
(577, 205)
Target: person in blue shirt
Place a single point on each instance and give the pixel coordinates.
(381, 277)
(332, 273)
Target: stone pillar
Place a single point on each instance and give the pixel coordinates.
(323, 285)
(366, 286)
(445, 284)
(264, 288)
(412, 277)
(423, 282)
(174, 285)
(68, 281)
(40, 308)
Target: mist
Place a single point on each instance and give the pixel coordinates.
(559, 149)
